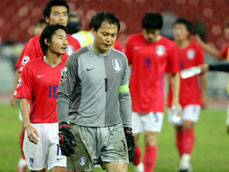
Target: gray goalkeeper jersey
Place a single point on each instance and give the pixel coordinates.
(94, 89)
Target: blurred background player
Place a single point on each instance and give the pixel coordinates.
(86, 37)
(151, 55)
(38, 28)
(74, 24)
(96, 85)
(38, 87)
(192, 91)
(221, 68)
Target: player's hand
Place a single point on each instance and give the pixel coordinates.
(177, 105)
(197, 39)
(228, 129)
(66, 139)
(32, 134)
(13, 101)
(204, 68)
(130, 142)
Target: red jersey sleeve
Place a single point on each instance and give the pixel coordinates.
(118, 45)
(32, 51)
(225, 51)
(173, 59)
(21, 57)
(128, 50)
(25, 84)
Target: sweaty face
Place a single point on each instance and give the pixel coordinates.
(151, 35)
(180, 32)
(59, 42)
(104, 37)
(58, 15)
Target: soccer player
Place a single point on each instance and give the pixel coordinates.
(38, 28)
(151, 55)
(221, 68)
(96, 84)
(38, 87)
(86, 37)
(192, 91)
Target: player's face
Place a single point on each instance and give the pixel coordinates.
(39, 28)
(58, 15)
(105, 37)
(151, 35)
(180, 32)
(59, 42)
(226, 33)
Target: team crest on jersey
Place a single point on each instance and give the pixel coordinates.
(83, 161)
(25, 60)
(116, 65)
(19, 82)
(191, 54)
(160, 50)
(63, 74)
(70, 50)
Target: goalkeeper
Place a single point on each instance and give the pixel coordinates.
(96, 83)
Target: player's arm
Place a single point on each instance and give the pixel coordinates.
(215, 67)
(208, 48)
(203, 83)
(31, 131)
(227, 122)
(67, 84)
(126, 111)
(12, 98)
(66, 88)
(175, 83)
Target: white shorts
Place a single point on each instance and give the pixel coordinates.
(147, 122)
(47, 153)
(189, 113)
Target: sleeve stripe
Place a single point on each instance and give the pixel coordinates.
(124, 88)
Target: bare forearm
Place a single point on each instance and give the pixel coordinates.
(175, 82)
(17, 76)
(211, 50)
(24, 103)
(203, 83)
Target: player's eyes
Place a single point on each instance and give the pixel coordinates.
(56, 14)
(105, 34)
(65, 14)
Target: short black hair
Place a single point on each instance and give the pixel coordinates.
(47, 33)
(51, 3)
(185, 22)
(100, 17)
(152, 21)
(41, 21)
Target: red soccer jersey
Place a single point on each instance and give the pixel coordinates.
(118, 45)
(150, 62)
(225, 51)
(33, 49)
(39, 83)
(190, 92)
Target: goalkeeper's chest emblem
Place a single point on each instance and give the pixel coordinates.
(83, 161)
(116, 65)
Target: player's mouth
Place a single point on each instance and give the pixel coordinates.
(62, 23)
(107, 45)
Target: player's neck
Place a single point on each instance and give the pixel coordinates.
(52, 59)
(182, 43)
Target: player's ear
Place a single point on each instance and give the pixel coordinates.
(47, 19)
(93, 31)
(47, 42)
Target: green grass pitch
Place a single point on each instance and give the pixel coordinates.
(211, 152)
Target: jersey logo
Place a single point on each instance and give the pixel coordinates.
(191, 54)
(63, 74)
(40, 76)
(116, 65)
(70, 50)
(19, 82)
(83, 161)
(88, 69)
(160, 50)
(25, 60)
